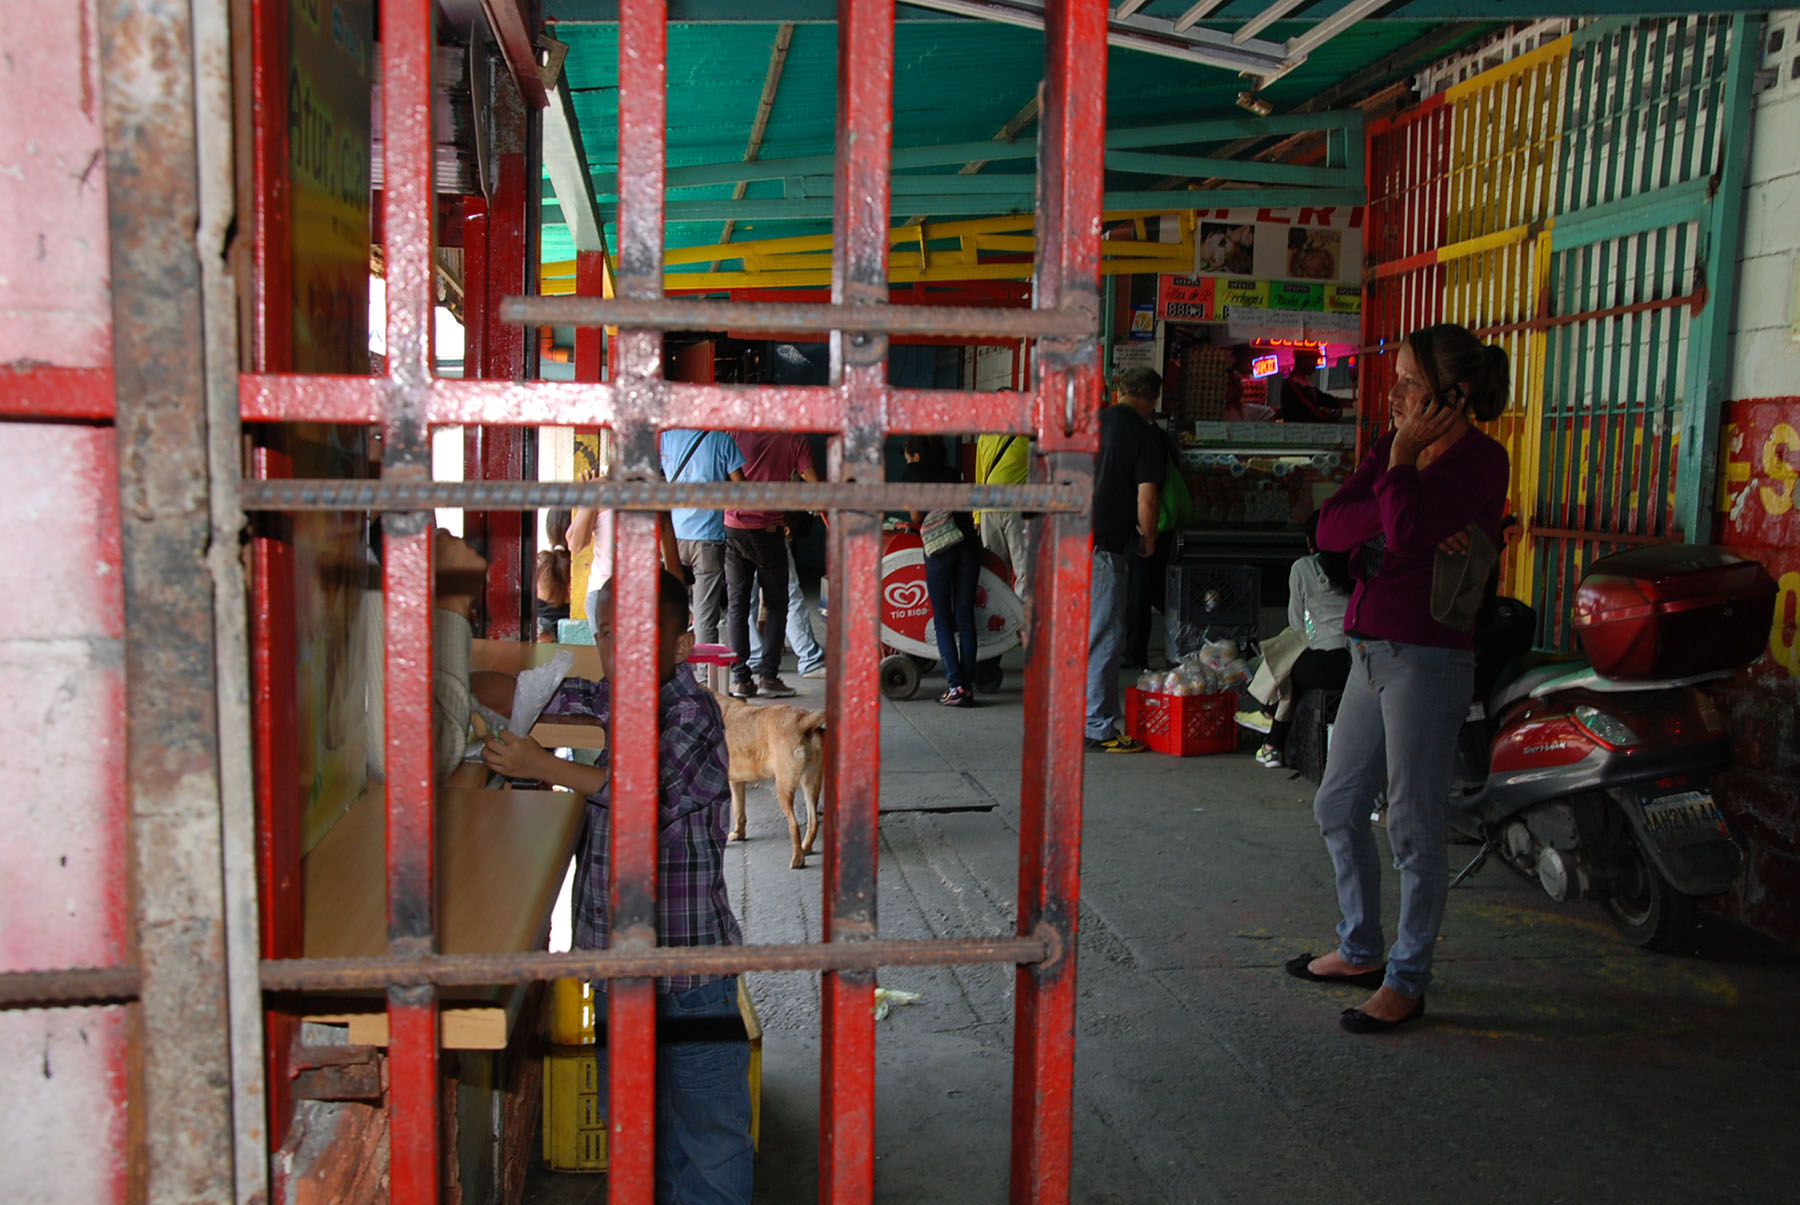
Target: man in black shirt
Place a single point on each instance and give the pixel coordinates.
(1128, 478)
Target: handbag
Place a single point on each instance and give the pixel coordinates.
(1459, 581)
(940, 532)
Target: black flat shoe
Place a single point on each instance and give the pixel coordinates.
(1355, 1020)
(1297, 967)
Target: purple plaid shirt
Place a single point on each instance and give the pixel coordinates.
(694, 805)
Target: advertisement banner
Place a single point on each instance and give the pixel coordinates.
(1307, 243)
(336, 585)
(1184, 298)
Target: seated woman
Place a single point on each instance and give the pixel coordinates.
(1319, 588)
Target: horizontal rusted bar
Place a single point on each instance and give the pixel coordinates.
(482, 970)
(692, 314)
(113, 985)
(69, 987)
(292, 494)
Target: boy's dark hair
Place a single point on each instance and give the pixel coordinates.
(671, 598)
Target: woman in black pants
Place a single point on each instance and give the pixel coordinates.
(950, 577)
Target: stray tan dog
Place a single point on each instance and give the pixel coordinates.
(780, 742)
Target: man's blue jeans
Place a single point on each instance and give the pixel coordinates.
(1106, 642)
(703, 1149)
(1402, 707)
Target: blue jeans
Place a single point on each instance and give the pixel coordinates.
(1402, 707)
(950, 579)
(703, 1149)
(1106, 643)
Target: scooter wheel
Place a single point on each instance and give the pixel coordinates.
(899, 677)
(1650, 913)
(989, 676)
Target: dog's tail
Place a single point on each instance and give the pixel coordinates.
(811, 722)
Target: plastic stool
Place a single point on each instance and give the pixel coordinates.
(718, 659)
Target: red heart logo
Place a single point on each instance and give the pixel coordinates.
(903, 596)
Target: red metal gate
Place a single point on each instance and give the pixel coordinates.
(858, 410)
(186, 989)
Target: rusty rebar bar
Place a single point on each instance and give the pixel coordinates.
(293, 494)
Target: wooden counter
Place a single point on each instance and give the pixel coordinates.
(502, 855)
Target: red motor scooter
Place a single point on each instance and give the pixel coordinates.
(1592, 774)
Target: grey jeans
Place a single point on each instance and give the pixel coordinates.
(707, 559)
(1402, 707)
(1003, 533)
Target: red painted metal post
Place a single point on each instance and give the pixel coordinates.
(1068, 396)
(409, 208)
(853, 766)
(502, 449)
(631, 1004)
(273, 647)
(590, 348)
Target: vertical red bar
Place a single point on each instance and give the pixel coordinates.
(1069, 192)
(408, 209)
(590, 281)
(412, 1011)
(858, 277)
(631, 1006)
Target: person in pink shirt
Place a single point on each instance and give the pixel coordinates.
(1431, 486)
(756, 552)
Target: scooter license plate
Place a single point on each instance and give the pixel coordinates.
(1685, 819)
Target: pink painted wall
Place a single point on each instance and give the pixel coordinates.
(62, 863)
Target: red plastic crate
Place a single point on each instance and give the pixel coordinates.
(1182, 725)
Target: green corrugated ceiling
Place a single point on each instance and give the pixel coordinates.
(955, 81)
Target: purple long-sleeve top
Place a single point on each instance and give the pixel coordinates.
(1397, 515)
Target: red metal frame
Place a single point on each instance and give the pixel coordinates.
(858, 409)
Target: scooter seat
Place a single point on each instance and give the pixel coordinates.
(1525, 674)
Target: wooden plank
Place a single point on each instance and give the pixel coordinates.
(501, 857)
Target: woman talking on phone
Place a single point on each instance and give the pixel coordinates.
(1433, 480)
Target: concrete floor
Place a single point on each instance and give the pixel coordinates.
(1557, 1063)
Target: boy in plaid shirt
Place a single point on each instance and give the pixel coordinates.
(703, 1150)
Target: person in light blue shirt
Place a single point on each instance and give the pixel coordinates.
(700, 534)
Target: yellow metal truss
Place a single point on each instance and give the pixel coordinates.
(998, 248)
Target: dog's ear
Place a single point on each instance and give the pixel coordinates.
(812, 721)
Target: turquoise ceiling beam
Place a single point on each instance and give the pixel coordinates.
(1021, 200)
(1339, 128)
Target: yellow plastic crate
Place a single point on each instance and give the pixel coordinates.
(574, 1133)
(571, 1012)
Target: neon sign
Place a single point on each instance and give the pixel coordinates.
(1265, 366)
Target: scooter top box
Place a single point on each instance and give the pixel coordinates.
(1673, 611)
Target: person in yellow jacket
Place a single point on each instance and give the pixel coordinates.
(1004, 460)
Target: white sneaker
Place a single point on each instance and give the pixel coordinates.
(817, 671)
(1256, 721)
(1269, 757)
